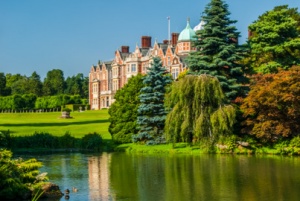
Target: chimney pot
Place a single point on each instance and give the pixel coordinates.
(125, 49)
(146, 41)
(174, 39)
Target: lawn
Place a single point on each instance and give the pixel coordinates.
(80, 124)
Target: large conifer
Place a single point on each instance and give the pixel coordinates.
(151, 112)
(217, 49)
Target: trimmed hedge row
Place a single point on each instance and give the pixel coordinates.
(31, 101)
(90, 141)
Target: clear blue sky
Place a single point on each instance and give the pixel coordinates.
(72, 35)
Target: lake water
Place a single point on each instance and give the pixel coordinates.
(129, 177)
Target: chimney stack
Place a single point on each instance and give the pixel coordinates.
(146, 41)
(174, 39)
(125, 49)
(165, 42)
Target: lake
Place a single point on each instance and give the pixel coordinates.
(130, 177)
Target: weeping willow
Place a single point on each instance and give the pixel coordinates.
(197, 110)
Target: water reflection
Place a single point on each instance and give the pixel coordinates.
(120, 176)
(98, 168)
(205, 177)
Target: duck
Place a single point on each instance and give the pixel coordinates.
(67, 197)
(67, 191)
(74, 189)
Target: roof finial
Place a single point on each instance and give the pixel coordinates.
(188, 19)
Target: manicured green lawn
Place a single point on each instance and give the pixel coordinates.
(82, 123)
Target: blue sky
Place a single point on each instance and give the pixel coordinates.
(72, 35)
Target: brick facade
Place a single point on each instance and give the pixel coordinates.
(108, 77)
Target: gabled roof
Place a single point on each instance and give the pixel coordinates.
(144, 51)
(124, 55)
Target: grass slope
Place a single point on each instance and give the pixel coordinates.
(20, 124)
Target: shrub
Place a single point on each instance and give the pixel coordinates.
(91, 141)
(5, 139)
(18, 176)
(295, 142)
(67, 141)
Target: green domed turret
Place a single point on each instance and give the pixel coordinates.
(188, 34)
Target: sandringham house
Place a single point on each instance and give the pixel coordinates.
(108, 77)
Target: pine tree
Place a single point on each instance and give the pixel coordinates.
(151, 112)
(217, 49)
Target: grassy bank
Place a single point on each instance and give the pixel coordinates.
(81, 123)
(184, 148)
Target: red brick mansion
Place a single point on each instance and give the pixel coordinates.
(107, 77)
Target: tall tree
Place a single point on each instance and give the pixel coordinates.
(197, 110)
(2, 84)
(217, 49)
(123, 112)
(272, 108)
(275, 40)
(151, 112)
(20, 86)
(54, 83)
(35, 84)
(11, 80)
(77, 85)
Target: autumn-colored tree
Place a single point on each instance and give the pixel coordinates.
(272, 108)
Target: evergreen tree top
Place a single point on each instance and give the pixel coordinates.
(217, 52)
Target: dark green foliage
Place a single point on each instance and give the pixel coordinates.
(40, 140)
(92, 141)
(151, 111)
(197, 110)
(217, 49)
(44, 140)
(35, 84)
(29, 101)
(5, 139)
(18, 176)
(2, 84)
(25, 91)
(50, 102)
(54, 83)
(17, 102)
(19, 85)
(68, 141)
(123, 112)
(275, 40)
(77, 85)
(76, 107)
